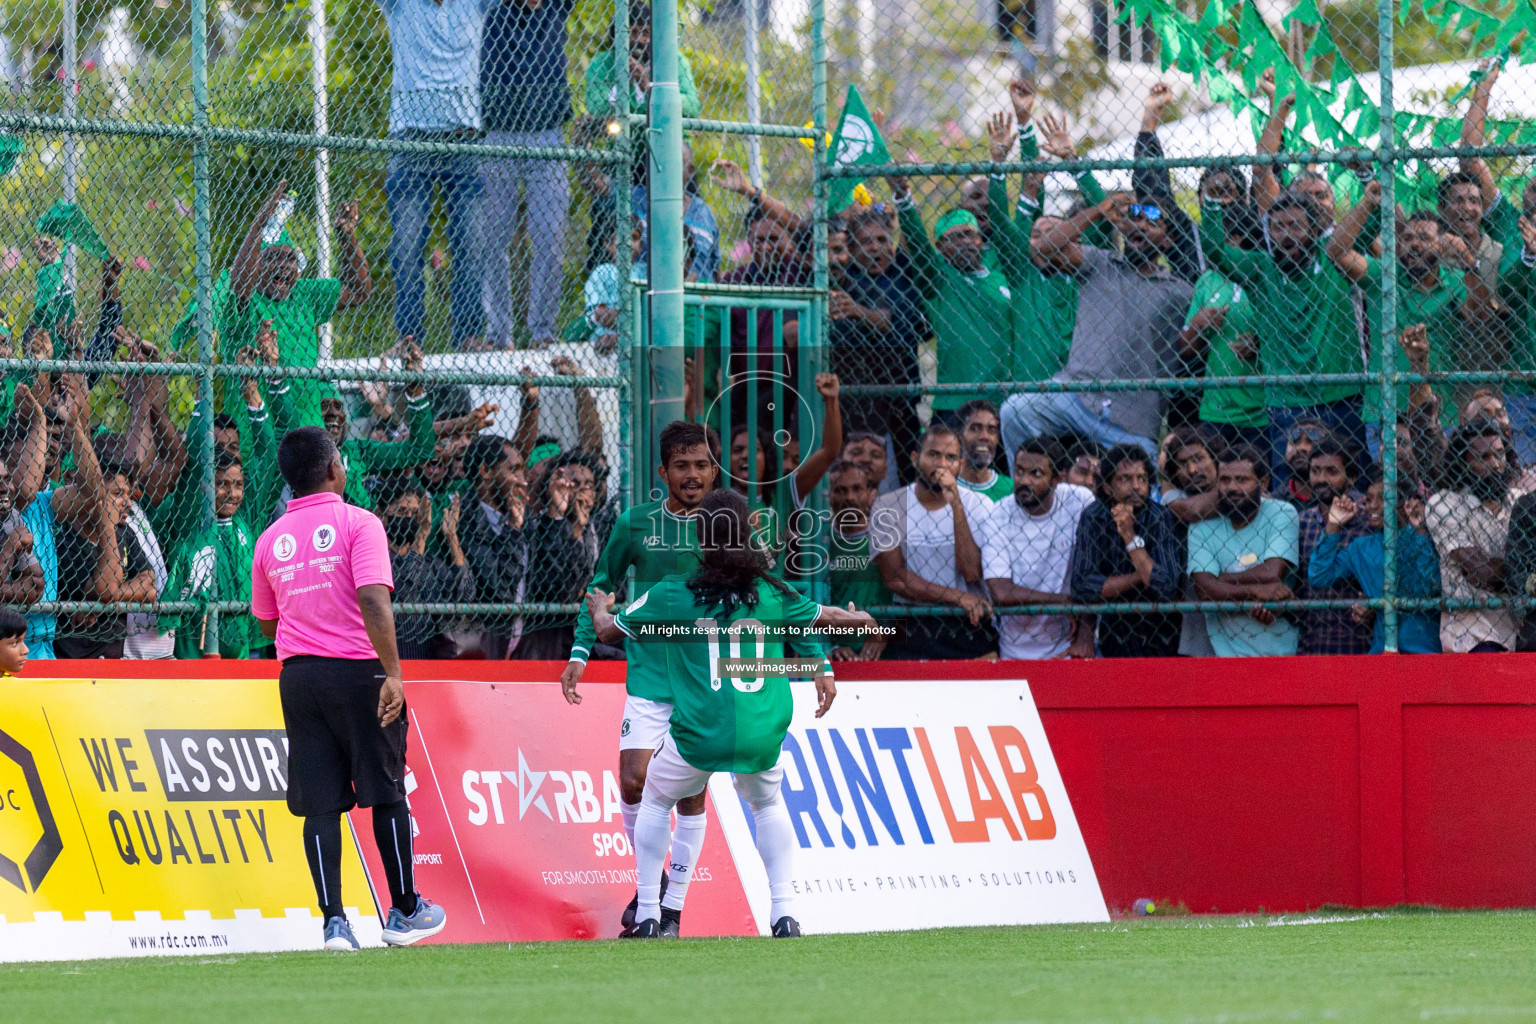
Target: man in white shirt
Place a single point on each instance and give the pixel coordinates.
(923, 540)
(1469, 523)
(1027, 552)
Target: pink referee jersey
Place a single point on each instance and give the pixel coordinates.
(306, 572)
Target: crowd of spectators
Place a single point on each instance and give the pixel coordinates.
(982, 498)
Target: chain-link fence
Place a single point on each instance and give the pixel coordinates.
(1128, 357)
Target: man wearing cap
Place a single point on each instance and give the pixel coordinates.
(1130, 310)
(320, 587)
(967, 305)
(264, 285)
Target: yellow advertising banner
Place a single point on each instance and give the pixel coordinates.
(148, 816)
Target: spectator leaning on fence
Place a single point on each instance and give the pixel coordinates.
(1506, 224)
(1129, 311)
(1246, 554)
(21, 574)
(562, 551)
(966, 304)
(1439, 287)
(869, 450)
(1519, 566)
(1129, 550)
(602, 88)
(1333, 473)
(1519, 289)
(527, 102)
(1221, 335)
(360, 456)
(1193, 455)
(854, 577)
(95, 563)
(1364, 559)
(1027, 555)
(1307, 307)
(34, 448)
(877, 324)
(1469, 522)
(980, 431)
(924, 538)
(491, 533)
(266, 291)
(435, 98)
(1044, 304)
(420, 577)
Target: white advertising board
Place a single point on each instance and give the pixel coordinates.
(922, 805)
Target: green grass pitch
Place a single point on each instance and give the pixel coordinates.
(1395, 966)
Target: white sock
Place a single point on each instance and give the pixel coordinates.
(687, 843)
(653, 834)
(776, 845)
(628, 812)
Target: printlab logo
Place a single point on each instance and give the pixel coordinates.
(324, 537)
(284, 548)
(17, 826)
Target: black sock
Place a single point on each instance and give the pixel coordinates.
(392, 831)
(322, 848)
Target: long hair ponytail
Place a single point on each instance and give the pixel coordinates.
(732, 561)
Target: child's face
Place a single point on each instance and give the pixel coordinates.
(13, 655)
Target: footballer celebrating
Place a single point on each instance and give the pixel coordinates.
(715, 727)
(656, 539)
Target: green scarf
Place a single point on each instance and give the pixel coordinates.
(214, 565)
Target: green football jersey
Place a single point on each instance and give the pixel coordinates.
(656, 543)
(720, 725)
(998, 488)
(1239, 407)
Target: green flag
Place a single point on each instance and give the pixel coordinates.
(857, 143)
(64, 221)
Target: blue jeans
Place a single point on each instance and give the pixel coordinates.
(545, 190)
(1341, 418)
(1522, 423)
(408, 186)
(1035, 415)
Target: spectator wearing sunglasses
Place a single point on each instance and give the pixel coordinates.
(1130, 308)
(1300, 441)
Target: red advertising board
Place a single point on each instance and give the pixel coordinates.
(515, 800)
(1275, 783)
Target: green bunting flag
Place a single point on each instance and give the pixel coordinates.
(1226, 46)
(857, 143)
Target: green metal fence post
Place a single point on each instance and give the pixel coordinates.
(665, 195)
(623, 215)
(1387, 338)
(819, 326)
(203, 250)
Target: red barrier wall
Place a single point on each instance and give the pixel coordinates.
(1276, 784)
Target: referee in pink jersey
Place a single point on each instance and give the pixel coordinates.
(320, 586)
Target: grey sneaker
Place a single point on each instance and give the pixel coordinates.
(338, 935)
(428, 920)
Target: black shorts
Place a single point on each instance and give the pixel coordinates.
(339, 757)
